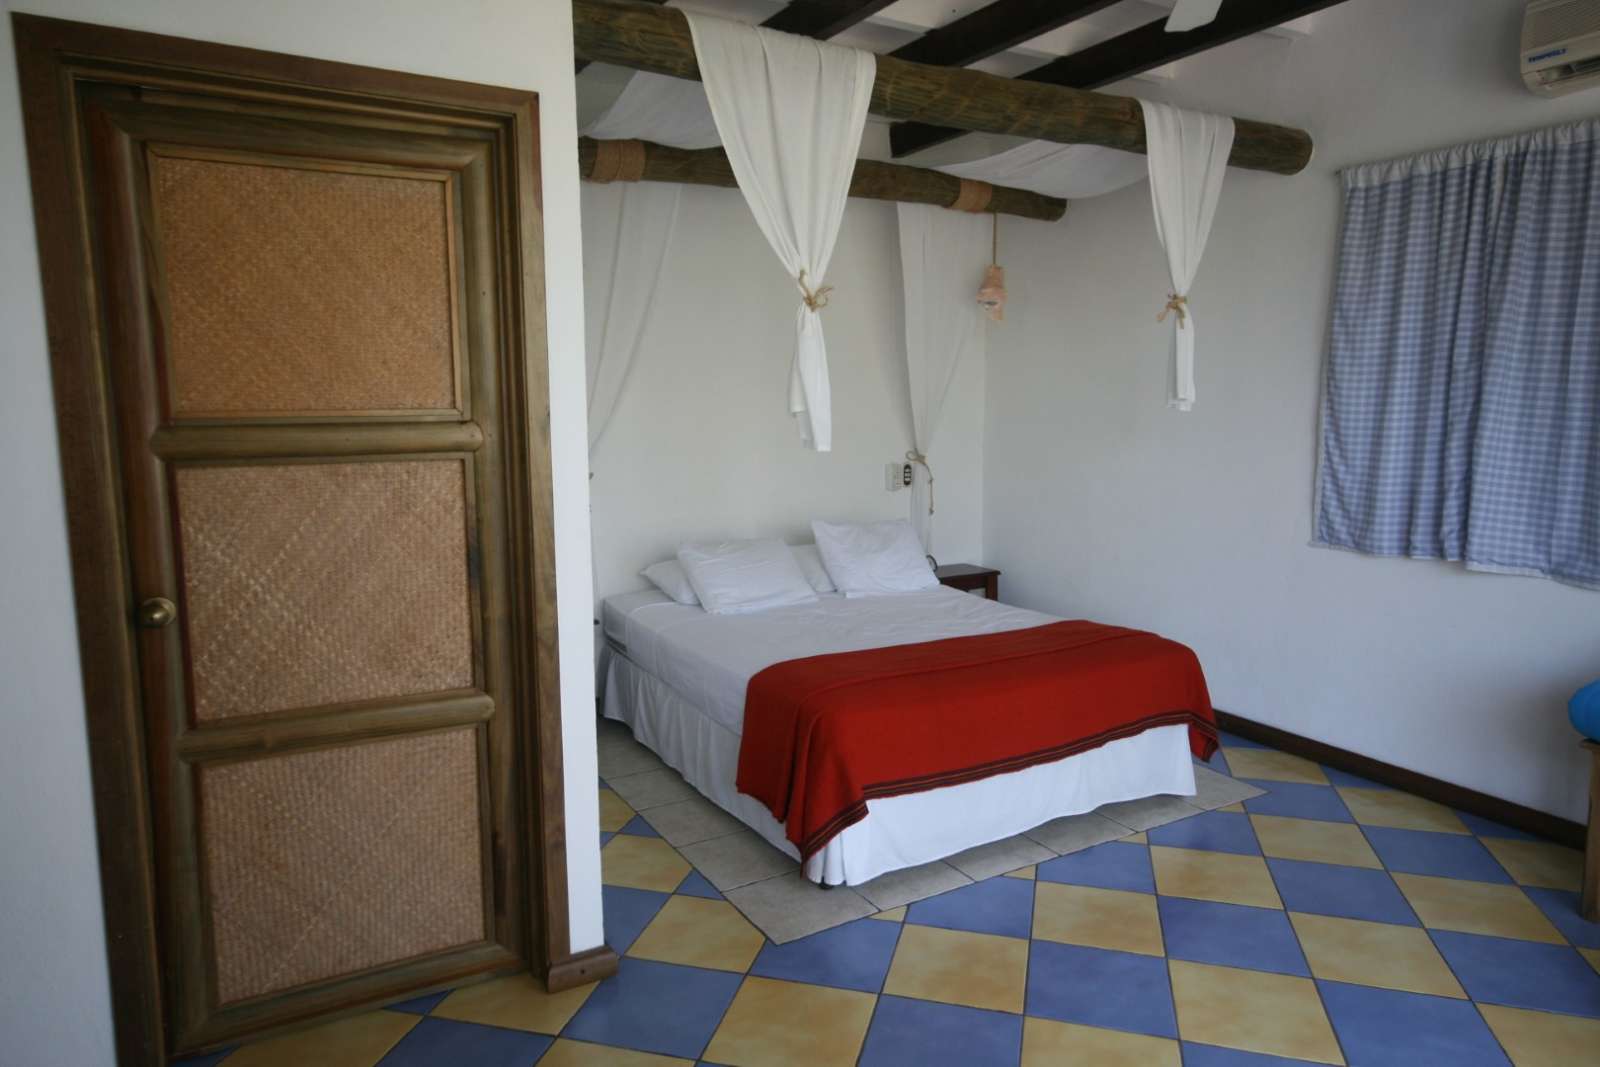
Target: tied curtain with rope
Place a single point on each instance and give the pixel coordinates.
(1460, 401)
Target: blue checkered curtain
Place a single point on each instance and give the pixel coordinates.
(1461, 404)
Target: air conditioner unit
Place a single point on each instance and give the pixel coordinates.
(1561, 46)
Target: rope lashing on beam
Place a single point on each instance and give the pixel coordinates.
(618, 161)
(974, 196)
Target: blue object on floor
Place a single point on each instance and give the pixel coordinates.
(921, 1033)
(1584, 710)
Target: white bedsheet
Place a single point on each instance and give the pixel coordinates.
(710, 659)
(680, 684)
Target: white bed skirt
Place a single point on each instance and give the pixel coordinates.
(906, 830)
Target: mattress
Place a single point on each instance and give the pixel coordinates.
(678, 679)
(710, 659)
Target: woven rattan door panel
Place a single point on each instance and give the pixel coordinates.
(298, 291)
(330, 862)
(319, 583)
(313, 353)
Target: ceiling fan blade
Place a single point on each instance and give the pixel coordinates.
(1192, 14)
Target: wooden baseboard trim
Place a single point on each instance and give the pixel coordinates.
(581, 968)
(1504, 812)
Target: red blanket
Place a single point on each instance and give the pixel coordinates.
(824, 735)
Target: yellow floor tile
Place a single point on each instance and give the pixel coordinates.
(1476, 908)
(699, 933)
(1218, 876)
(1046, 1043)
(1275, 1014)
(568, 1053)
(1274, 766)
(614, 811)
(516, 1003)
(788, 1024)
(1375, 954)
(642, 863)
(957, 967)
(1593, 956)
(1285, 838)
(1538, 863)
(1237, 809)
(1542, 1039)
(1100, 918)
(890, 915)
(1136, 839)
(1027, 872)
(360, 1041)
(1401, 811)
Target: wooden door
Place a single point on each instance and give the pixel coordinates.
(315, 455)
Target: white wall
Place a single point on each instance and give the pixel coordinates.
(1100, 502)
(53, 997)
(701, 443)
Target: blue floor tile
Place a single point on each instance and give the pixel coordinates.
(853, 956)
(696, 886)
(1561, 908)
(1298, 800)
(915, 1033)
(1113, 865)
(1235, 741)
(656, 1007)
(1213, 1056)
(1098, 987)
(1441, 855)
(1345, 892)
(639, 828)
(1522, 974)
(1231, 935)
(421, 1005)
(1485, 828)
(1218, 762)
(604, 837)
(436, 1041)
(995, 906)
(1214, 831)
(627, 912)
(1385, 1028)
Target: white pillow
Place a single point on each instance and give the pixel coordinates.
(871, 558)
(668, 576)
(810, 561)
(737, 577)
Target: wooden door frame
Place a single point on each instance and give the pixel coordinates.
(55, 58)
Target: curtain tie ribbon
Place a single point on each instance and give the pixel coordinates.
(1174, 303)
(918, 458)
(817, 299)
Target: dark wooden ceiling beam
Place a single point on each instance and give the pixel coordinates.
(991, 30)
(824, 18)
(1144, 48)
(645, 37)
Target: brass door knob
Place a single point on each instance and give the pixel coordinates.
(157, 612)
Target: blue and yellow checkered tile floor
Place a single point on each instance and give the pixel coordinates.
(1328, 920)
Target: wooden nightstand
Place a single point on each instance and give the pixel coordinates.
(969, 577)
